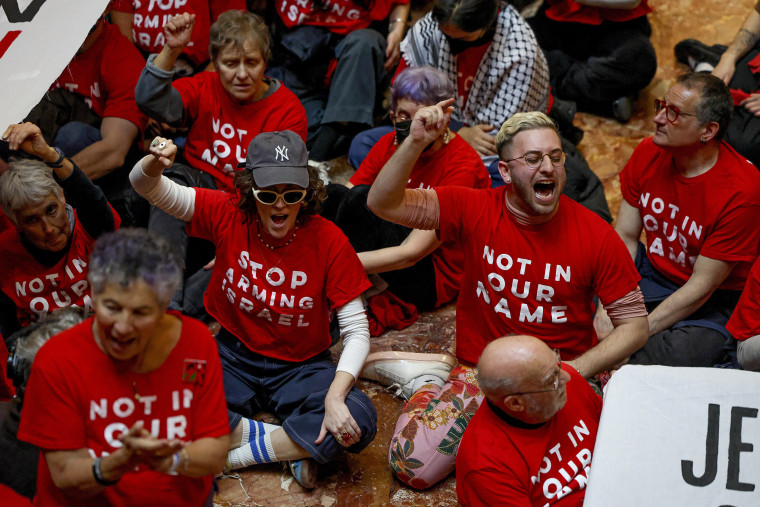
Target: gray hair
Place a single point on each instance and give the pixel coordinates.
(520, 122)
(715, 103)
(26, 182)
(31, 338)
(125, 256)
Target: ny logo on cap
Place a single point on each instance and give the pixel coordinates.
(281, 153)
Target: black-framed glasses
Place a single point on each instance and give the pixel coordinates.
(533, 159)
(671, 112)
(555, 384)
(270, 197)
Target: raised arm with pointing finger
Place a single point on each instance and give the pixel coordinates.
(387, 197)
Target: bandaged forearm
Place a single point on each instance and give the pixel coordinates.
(628, 306)
(422, 211)
(354, 329)
(163, 193)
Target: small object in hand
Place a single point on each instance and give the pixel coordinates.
(154, 143)
(162, 145)
(346, 436)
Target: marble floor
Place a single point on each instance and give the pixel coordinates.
(365, 479)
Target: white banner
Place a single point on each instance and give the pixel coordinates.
(678, 437)
(38, 38)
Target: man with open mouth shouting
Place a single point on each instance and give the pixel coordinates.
(534, 260)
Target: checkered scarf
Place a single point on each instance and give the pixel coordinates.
(512, 77)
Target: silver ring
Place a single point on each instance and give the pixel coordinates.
(162, 145)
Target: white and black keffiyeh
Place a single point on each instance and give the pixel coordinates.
(513, 76)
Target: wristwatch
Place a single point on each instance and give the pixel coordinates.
(58, 163)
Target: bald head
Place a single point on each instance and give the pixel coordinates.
(521, 364)
(507, 362)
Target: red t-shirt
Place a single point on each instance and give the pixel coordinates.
(38, 289)
(468, 63)
(150, 16)
(536, 280)
(455, 164)
(276, 302)
(221, 129)
(686, 217)
(77, 397)
(570, 10)
(340, 16)
(745, 321)
(502, 464)
(106, 75)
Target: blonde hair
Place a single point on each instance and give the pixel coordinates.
(519, 122)
(238, 27)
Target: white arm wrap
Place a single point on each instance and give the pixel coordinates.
(354, 329)
(163, 193)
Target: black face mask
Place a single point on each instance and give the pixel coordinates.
(459, 45)
(403, 128)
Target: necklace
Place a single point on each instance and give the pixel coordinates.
(138, 372)
(272, 247)
(284, 252)
(134, 388)
(96, 335)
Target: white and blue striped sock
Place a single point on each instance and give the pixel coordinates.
(252, 430)
(254, 452)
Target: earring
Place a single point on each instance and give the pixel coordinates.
(446, 137)
(508, 180)
(703, 140)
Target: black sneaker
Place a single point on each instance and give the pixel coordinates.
(699, 52)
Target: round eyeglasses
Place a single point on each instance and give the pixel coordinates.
(533, 159)
(555, 383)
(671, 112)
(270, 197)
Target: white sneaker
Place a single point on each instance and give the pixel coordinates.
(407, 371)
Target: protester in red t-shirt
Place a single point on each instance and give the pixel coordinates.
(533, 262)
(531, 443)
(142, 22)
(128, 406)
(103, 73)
(694, 196)
(224, 110)
(57, 215)
(331, 55)
(404, 257)
(280, 271)
(599, 52)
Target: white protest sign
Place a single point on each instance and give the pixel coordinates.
(677, 437)
(38, 38)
